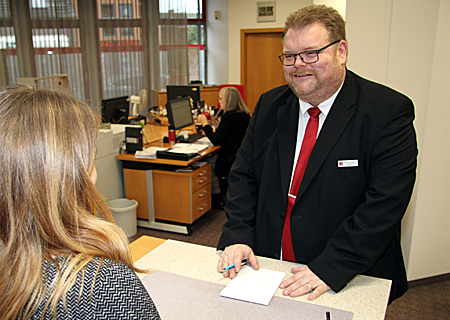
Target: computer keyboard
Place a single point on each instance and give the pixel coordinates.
(192, 138)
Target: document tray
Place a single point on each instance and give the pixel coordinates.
(176, 155)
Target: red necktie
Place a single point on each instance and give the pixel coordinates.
(308, 143)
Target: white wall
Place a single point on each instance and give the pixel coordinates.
(217, 39)
(242, 15)
(430, 239)
(339, 5)
(404, 44)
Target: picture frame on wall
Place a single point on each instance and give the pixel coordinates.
(266, 11)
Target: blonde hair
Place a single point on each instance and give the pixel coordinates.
(329, 17)
(233, 100)
(48, 202)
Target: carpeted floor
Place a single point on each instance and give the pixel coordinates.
(430, 301)
(426, 299)
(205, 231)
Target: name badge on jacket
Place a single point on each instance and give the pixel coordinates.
(347, 163)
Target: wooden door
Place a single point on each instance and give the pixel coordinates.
(261, 69)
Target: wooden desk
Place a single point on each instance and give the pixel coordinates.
(140, 247)
(132, 158)
(167, 195)
(366, 297)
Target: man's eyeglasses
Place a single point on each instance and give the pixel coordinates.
(309, 56)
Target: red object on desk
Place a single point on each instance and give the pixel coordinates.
(172, 136)
(206, 114)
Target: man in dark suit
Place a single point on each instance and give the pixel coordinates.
(358, 181)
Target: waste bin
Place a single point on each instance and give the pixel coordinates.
(124, 212)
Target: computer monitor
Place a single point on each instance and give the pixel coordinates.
(115, 110)
(182, 91)
(179, 113)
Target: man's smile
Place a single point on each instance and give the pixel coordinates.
(302, 73)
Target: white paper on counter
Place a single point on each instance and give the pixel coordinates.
(257, 286)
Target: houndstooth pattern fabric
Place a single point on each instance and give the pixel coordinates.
(117, 294)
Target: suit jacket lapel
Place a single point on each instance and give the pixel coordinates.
(337, 120)
(287, 124)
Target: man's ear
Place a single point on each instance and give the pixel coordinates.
(343, 51)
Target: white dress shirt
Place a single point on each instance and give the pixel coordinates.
(303, 118)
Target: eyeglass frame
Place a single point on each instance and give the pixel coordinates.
(300, 53)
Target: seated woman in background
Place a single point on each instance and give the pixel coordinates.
(58, 259)
(229, 133)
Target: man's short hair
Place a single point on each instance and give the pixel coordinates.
(329, 17)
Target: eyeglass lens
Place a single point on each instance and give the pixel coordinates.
(307, 57)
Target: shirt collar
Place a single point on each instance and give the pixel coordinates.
(324, 106)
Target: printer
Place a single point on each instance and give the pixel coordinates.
(109, 170)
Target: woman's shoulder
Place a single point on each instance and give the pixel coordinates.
(102, 283)
(118, 285)
(106, 269)
(95, 268)
(235, 114)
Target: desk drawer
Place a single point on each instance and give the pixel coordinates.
(201, 194)
(202, 178)
(182, 196)
(201, 208)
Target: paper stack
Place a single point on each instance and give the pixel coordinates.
(149, 153)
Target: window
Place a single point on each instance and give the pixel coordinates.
(39, 3)
(108, 11)
(127, 32)
(109, 32)
(193, 11)
(121, 50)
(56, 35)
(125, 11)
(56, 41)
(196, 43)
(196, 39)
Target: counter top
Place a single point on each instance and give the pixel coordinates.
(366, 297)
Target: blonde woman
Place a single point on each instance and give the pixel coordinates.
(58, 260)
(229, 133)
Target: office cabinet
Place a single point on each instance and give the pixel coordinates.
(182, 197)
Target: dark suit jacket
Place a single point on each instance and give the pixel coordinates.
(346, 220)
(229, 136)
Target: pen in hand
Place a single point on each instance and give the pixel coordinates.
(243, 262)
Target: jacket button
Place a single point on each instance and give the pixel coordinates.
(283, 214)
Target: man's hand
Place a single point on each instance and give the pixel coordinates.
(234, 255)
(303, 281)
